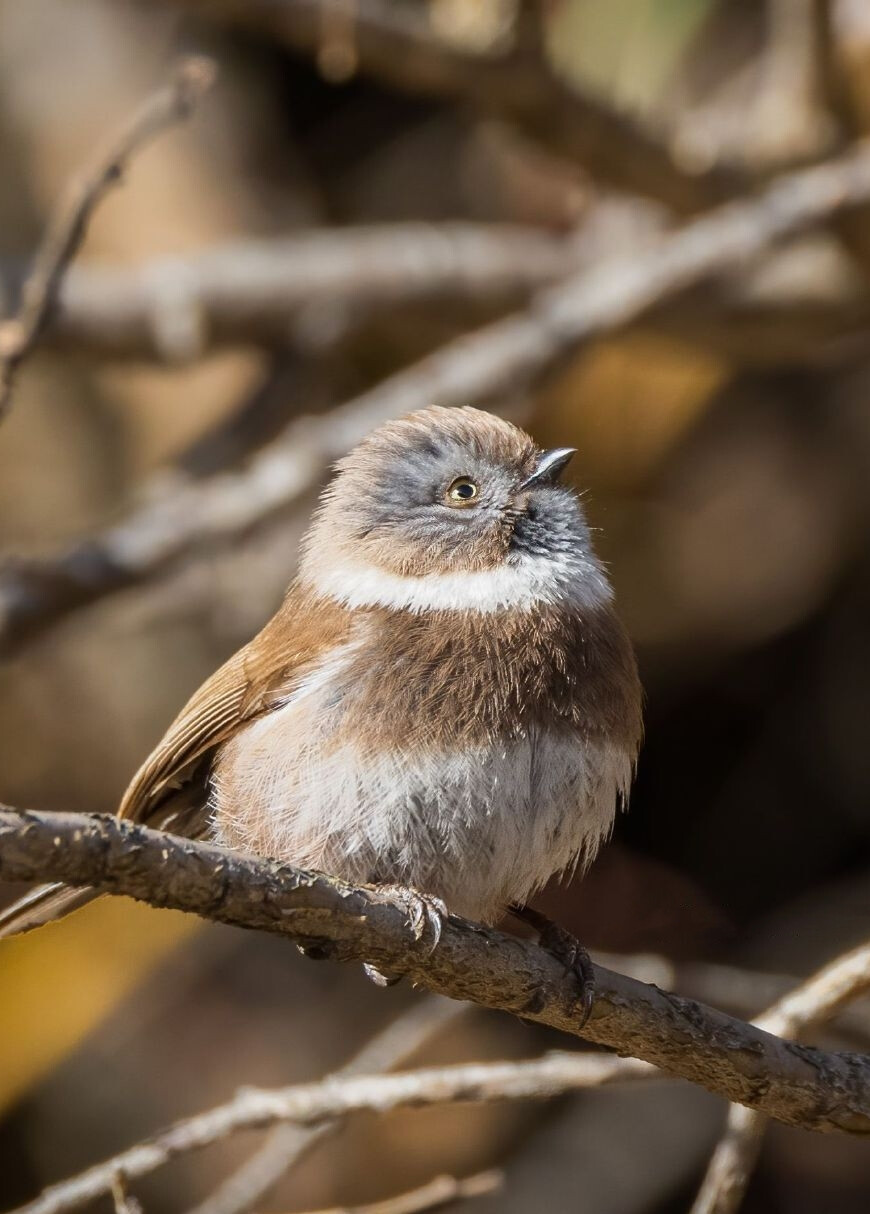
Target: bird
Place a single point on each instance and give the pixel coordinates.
(446, 701)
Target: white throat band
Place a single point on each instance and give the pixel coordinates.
(529, 582)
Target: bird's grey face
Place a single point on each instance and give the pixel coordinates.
(447, 490)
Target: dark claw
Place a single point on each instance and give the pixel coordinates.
(567, 949)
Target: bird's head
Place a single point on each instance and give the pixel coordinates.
(451, 508)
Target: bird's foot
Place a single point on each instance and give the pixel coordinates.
(567, 949)
(423, 911)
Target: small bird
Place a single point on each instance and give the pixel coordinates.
(445, 701)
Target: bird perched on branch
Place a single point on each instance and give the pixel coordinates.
(446, 699)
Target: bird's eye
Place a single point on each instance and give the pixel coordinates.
(462, 492)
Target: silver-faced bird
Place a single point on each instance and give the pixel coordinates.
(446, 699)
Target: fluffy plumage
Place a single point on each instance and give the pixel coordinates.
(446, 698)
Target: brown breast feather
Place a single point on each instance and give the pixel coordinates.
(429, 680)
(465, 678)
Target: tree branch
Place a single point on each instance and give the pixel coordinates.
(171, 104)
(797, 81)
(797, 1085)
(310, 290)
(801, 1010)
(395, 43)
(740, 990)
(438, 1192)
(256, 291)
(180, 514)
(313, 1103)
(286, 1144)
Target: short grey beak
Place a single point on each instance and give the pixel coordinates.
(549, 467)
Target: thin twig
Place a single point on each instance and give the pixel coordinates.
(793, 120)
(310, 1104)
(179, 515)
(121, 1199)
(810, 1005)
(287, 1144)
(171, 104)
(438, 1192)
(804, 1087)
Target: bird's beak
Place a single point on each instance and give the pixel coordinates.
(549, 467)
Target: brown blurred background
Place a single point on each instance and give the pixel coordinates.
(724, 444)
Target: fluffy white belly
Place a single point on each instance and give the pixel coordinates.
(481, 828)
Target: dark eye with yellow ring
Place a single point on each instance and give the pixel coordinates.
(462, 492)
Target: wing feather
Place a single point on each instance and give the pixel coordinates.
(243, 688)
(170, 789)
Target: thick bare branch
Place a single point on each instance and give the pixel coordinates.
(740, 990)
(801, 1010)
(395, 43)
(180, 514)
(170, 105)
(797, 1085)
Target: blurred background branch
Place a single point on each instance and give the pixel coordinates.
(286, 1144)
(253, 1108)
(270, 293)
(506, 357)
(443, 1190)
(396, 44)
(41, 286)
(803, 1010)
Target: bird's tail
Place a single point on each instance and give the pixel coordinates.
(41, 905)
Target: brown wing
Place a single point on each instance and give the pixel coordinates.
(170, 788)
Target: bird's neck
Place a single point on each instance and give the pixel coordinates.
(522, 583)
